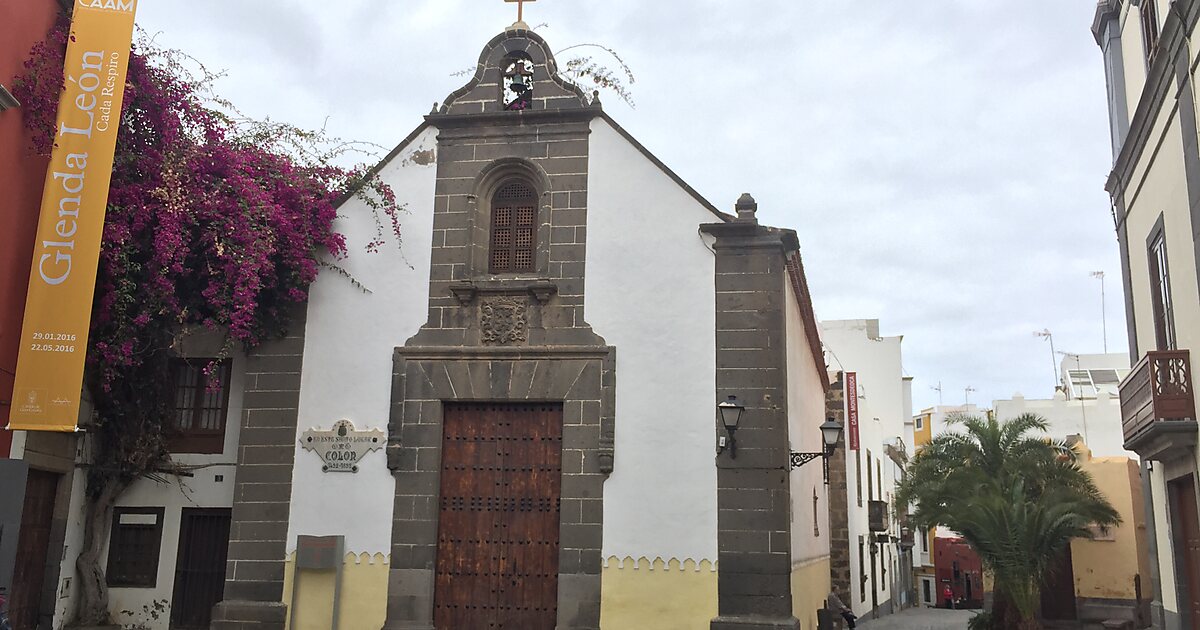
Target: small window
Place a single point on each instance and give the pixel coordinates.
(201, 405)
(920, 423)
(1160, 291)
(870, 479)
(133, 547)
(878, 477)
(858, 476)
(514, 228)
(1149, 14)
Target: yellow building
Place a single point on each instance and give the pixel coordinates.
(1107, 570)
(924, 576)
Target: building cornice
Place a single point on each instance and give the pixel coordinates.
(1104, 9)
(442, 120)
(1159, 79)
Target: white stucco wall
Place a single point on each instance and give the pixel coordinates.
(650, 293)
(201, 490)
(806, 412)
(1097, 420)
(883, 408)
(348, 345)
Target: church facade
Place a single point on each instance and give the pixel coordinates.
(510, 421)
(545, 353)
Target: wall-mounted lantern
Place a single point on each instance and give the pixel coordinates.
(831, 432)
(731, 415)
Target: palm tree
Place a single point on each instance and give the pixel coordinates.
(1015, 495)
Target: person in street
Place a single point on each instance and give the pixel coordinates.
(834, 603)
(948, 595)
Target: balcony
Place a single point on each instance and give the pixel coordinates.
(1158, 410)
(877, 516)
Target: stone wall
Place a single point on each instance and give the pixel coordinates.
(839, 529)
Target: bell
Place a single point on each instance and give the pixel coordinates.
(519, 84)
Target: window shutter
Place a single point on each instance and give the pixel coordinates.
(514, 228)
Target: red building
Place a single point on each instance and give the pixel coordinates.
(33, 495)
(22, 24)
(958, 566)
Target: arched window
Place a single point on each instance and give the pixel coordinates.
(514, 228)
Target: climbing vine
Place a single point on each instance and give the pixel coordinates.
(214, 221)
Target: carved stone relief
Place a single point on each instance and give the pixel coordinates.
(502, 320)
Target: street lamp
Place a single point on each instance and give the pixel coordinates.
(831, 432)
(731, 415)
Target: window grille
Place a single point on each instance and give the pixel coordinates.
(514, 228)
(133, 547)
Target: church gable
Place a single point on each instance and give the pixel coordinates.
(516, 72)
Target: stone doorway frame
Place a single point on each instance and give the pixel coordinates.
(582, 378)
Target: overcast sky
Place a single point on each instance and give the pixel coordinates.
(943, 161)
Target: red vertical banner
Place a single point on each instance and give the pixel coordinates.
(852, 409)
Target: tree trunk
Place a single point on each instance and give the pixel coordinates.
(93, 588)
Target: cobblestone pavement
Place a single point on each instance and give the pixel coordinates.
(920, 619)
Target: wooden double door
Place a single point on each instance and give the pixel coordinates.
(1186, 526)
(29, 575)
(498, 519)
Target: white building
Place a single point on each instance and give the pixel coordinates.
(1086, 405)
(883, 401)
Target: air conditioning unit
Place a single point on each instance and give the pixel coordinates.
(877, 515)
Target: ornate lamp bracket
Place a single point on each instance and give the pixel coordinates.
(800, 459)
(796, 460)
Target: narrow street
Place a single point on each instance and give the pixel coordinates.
(921, 619)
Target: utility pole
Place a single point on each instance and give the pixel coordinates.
(1099, 275)
(938, 389)
(967, 395)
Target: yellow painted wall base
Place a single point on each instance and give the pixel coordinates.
(810, 585)
(364, 594)
(656, 595)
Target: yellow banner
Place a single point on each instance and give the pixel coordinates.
(58, 310)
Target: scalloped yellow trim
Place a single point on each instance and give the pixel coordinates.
(357, 558)
(659, 564)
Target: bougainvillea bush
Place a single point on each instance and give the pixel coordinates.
(213, 221)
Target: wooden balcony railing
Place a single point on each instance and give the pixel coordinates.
(1158, 389)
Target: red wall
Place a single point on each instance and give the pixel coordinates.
(945, 552)
(22, 24)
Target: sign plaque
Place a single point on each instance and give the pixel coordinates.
(852, 408)
(342, 447)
